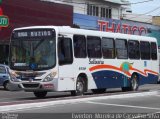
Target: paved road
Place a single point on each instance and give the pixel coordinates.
(146, 105)
(97, 108)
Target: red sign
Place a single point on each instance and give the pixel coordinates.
(121, 28)
(1, 13)
(4, 21)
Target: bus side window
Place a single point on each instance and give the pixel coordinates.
(133, 49)
(65, 55)
(145, 50)
(121, 48)
(94, 47)
(153, 51)
(79, 46)
(108, 48)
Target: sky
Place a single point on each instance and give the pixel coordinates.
(143, 8)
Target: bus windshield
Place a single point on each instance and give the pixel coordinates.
(32, 53)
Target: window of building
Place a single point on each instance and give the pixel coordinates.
(153, 51)
(121, 48)
(94, 47)
(133, 49)
(92, 10)
(145, 50)
(106, 12)
(110, 13)
(108, 48)
(79, 46)
(102, 12)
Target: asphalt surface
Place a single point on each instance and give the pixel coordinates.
(121, 108)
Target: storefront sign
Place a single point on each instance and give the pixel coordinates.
(4, 21)
(121, 28)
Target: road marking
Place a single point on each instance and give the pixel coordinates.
(39, 108)
(7, 108)
(157, 95)
(118, 105)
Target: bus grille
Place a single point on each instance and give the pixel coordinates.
(31, 85)
(27, 79)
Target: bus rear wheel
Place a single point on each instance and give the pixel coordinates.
(134, 83)
(40, 94)
(80, 87)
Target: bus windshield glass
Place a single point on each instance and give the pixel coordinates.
(33, 50)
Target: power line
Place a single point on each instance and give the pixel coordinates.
(151, 19)
(140, 2)
(152, 10)
(145, 13)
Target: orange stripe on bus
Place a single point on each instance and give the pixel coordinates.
(97, 67)
(108, 67)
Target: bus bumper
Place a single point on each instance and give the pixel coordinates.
(37, 86)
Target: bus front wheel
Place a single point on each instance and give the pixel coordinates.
(40, 94)
(80, 87)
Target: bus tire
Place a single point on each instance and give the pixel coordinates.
(40, 94)
(80, 87)
(134, 82)
(98, 91)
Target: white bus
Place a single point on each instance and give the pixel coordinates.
(60, 58)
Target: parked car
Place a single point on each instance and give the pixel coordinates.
(4, 76)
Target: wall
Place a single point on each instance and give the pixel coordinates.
(156, 20)
(33, 12)
(30, 13)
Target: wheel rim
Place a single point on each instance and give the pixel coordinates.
(6, 86)
(134, 83)
(80, 87)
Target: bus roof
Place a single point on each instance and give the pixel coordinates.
(69, 30)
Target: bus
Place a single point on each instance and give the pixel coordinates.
(60, 58)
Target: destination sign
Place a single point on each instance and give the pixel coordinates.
(33, 33)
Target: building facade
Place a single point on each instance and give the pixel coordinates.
(103, 15)
(23, 13)
(99, 8)
(156, 20)
(111, 16)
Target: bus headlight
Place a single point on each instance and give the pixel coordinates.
(49, 77)
(14, 77)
